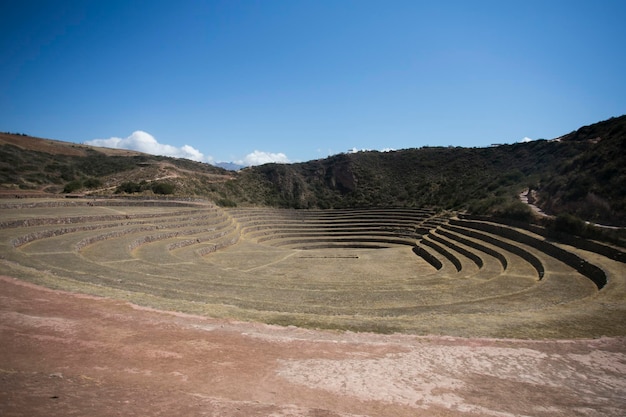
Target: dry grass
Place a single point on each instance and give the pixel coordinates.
(252, 264)
(57, 147)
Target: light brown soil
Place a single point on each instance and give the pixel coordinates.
(65, 354)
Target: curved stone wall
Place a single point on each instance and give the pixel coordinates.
(408, 270)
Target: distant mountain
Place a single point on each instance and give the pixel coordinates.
(229, 166)
(582, 173)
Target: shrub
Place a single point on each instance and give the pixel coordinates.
(163, 188)
(92, 183)
(226, 202)
(128, 187)
(72, 186)
(485, 205)
(514, 210)
(567, 223)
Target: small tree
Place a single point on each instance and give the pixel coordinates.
(567, 223)
(72, 186)
(92, 183)
(163, 188)
(129, 187)
(514, 210)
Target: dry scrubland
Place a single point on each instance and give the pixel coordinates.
(380, 270)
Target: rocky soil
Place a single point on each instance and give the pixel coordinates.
(65, 354)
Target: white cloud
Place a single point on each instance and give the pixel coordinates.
(144, 142)
(355, 150)
(260, 158)
(526, 139)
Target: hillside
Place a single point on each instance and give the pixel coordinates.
(582, 173)
(590, 179)
(35, 166)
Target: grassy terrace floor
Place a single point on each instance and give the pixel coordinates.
(382, 270)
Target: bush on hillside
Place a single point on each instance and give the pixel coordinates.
(226, 202)
(514, 210)
(73, 186)
(163, 188)
(128, 187)
(92, 183)
(567, 223)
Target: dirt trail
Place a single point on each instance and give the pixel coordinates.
(525, 198)
(67, 354)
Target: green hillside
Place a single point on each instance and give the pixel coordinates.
(589, 179)
(582, 174)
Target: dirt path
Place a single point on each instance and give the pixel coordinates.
(524, 198)
(65, 354)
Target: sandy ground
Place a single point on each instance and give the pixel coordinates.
(64, 354)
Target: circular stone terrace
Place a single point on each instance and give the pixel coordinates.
(379, 270)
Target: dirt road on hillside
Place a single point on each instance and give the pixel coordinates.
(63, 354)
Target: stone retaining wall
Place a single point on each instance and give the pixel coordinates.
(428, 257)
(595, 274)
(522, 253)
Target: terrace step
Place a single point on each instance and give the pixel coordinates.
(591, 271)
(465, 260)
(504, 246)
(184, 246)
(337, 228)
(315, 266)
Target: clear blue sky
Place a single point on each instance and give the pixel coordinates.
(305, 79)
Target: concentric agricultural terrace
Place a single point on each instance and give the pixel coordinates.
(382, 270)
